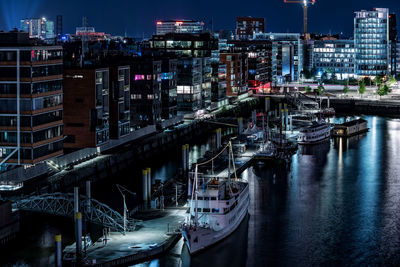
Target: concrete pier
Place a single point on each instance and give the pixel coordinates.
(154, 237)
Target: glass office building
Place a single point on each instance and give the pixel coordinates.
(371, 39)
(31, 100)
(334, 57)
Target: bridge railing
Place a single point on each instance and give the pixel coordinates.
(63, 205)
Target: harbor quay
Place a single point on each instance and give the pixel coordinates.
(153, 236)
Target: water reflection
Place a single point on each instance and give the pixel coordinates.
(335, 204)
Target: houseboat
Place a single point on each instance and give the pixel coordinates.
(350, 128)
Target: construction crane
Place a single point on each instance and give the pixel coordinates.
(305, 4)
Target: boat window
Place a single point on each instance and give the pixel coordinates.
(200, 198)
(206, 210)
(227, 203)
(206, 198)
(215, 210)
(213, 198)
(198, 209)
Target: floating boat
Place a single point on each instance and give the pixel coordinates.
(350, 128)
(266, 152)
(319, 131)
(217, 207)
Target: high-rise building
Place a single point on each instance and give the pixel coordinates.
(259, 53)
(336, 57)
(31, 100)
(87, 112)
(236, 73)
(286, 56)
(38, 28)
(371, 37)
(146, 91)
(120, 85)
(393, 39)
(169, 88)
(59, 26)
(246, 27)
(183, 47)
(179, 26)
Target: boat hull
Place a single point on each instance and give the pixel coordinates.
(199, 238)
(303, 143)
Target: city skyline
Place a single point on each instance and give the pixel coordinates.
(139, 19)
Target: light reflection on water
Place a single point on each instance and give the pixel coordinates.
(337, 204)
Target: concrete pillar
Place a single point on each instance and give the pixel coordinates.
(76, 199)
(149, 183)
(280, 110)
(187, 157)
(240, 125)
(286, 119)
(144, 184)
(267, 104)
(291, 123)
(88, 196)
(189, 187)
(282, 118)
(218, 133)
(254, 117)
(329, 102)
(184, 165)
(78, 236)
(58, 261)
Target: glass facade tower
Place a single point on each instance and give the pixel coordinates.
(371, 37)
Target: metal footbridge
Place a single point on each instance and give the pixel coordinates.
(61, 204)
(301, 101)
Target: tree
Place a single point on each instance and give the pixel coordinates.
(362, 88)
(382, 90)
(392, 80)
(378, 80)
(308, 89)
(346, 88)
(320, 89)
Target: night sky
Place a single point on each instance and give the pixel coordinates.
(137, 17)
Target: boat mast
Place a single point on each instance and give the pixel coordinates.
(196, 215)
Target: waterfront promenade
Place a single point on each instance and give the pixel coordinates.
(151, 238)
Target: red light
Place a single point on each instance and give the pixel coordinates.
(159, 22)
(178, 23)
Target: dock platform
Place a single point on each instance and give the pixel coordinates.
(152, 238)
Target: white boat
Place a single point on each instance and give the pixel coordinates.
(317, 132)
(217, 208)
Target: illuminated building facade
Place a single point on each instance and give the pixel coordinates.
(169, 70)
(194, 52)
(31, 100)
(259, 54)
(146, 76)
(236, 73)
(179, 26)
(371, 37)
(38, 28)
(246, 27)
(335, 57)
(286, 55)
(87, 112)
